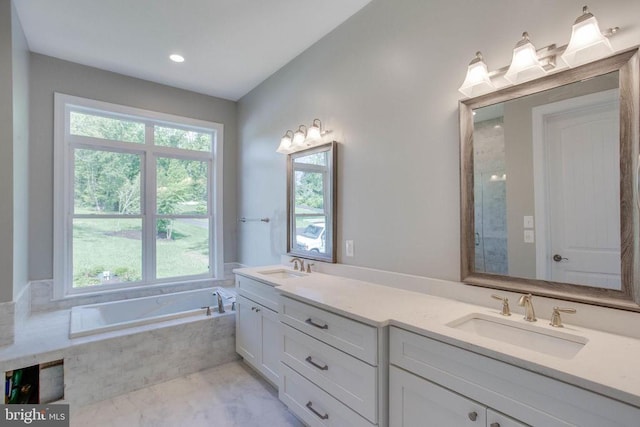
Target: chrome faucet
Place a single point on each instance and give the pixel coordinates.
(220, 303)
(529, 313)
(295, 261)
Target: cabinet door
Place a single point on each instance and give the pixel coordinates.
(414, 401)
(247, 330)
(496, 419)
(270, 343)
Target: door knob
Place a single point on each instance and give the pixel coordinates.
(473, 415)
(558, 258)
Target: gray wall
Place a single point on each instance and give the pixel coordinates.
(6, 154)
(49, 75)
(14, 149)
(386, 83)
(20, 156)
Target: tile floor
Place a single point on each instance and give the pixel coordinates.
(229, 395)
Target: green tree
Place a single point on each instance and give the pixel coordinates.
(309, 190)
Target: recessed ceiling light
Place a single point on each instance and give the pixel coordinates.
(176, 58)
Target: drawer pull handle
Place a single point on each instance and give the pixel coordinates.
(312, 323)
(322, 368)
(494, 425)
(318, 414)
(473, 415)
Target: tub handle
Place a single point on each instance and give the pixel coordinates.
(208, 310)
(312, 323)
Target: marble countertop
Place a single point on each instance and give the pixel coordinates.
(607, 364)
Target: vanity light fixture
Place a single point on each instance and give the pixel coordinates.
(299, 136)
(477, 81)
(285, 143)
(525, 64)
(587, 42)
(302, 138)
(176, 58)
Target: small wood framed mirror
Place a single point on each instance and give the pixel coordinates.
(311, 203)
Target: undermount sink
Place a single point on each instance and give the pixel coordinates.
(282, 273)
(551, 342)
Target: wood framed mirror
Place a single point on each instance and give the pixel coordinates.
(549, 185)
(311, 203)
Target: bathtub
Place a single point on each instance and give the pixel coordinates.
(110, 316)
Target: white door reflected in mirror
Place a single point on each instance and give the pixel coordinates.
(565, 170)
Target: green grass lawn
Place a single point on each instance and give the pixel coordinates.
(114, 245)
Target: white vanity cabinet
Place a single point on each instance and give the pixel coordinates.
(432, 383)
(257, 326)
(333, 368)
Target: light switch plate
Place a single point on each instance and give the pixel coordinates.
(348, 246)
(528, 236)
(528, 222)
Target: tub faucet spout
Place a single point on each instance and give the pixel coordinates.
(220, 303)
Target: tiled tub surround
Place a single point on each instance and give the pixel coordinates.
(607, 365)
(105, 365)
(7, 320)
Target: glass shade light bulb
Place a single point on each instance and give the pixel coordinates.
(314, 133)
(524, 63)
(299, 136)
(285, 143)
(587, 41)
(477, 81)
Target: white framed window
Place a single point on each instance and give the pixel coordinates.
(137, 197)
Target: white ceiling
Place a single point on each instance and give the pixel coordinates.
(230, 46)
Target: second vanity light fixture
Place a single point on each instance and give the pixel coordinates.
(302, 138)
(587, 44)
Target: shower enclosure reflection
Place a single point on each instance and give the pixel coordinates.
(491, 255)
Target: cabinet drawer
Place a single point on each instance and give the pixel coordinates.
(257, 291)
(348, 335)
(529, 397)
(314, 406)
(346, 378)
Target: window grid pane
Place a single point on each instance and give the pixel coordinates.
(106, 251)
(185, 139)
(106, 182)
(182, 247)
(182, 186)
(95, 126)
